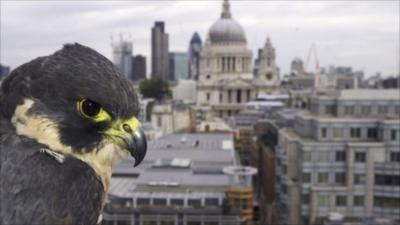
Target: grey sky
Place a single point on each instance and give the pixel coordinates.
(364, 34)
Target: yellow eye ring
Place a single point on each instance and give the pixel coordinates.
(92, 110)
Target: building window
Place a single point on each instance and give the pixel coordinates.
(393, 134)
(365, 110)
(323, 156)
(397, 110)
(193, 222)
(323, 178)
(382, 109)
(142, 201)
(323, 200)
(307, 156)
(355, 132)
(340, 156)
(220, 99)
(340, 178)
(330, 109)
(194, 203)
(239, 96)
(208, 97)
(306, 177)
(305, 198)
(229, 96)
(387, 202)
(337, 132)
(372, 132)
(341, 200)
(359, 179)
(210, 223)
(348, 110)
(395, 156)
(323, 132)
(387, 180)
(176, 202)
(211, 202)
(360, 157)
(358, 200)
(159, 202)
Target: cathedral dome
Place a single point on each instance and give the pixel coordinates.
(226, 29)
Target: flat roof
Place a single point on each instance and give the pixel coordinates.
(195, 141)
(371, 94)
(178, 163)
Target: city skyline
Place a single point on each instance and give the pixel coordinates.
(363, 35)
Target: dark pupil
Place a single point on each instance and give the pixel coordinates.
(90, 108)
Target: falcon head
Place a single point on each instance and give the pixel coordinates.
(75, 102)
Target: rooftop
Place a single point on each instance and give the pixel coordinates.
(364, 94)
(178, 163)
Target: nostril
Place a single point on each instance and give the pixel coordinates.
(127, 128)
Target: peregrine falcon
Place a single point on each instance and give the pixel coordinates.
(65, 119)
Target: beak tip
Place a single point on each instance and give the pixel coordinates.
(141, 147)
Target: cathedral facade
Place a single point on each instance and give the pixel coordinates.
(226, 79)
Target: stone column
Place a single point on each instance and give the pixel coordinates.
(234, 94)
(244, 96)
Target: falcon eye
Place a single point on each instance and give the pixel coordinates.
(92, 110)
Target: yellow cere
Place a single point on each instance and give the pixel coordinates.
(117, 131)
(117, 126)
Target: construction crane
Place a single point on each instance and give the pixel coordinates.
(313, 50)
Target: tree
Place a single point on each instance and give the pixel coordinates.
(154, 88)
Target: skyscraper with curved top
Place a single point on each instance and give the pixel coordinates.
(194, 56)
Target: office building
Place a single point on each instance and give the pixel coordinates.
(194, 56)
(172, 116)
(138, 68)
(178, 66)
(343, 156)
(185, 90)
(159, 51)
(122, 56)
(297, 67)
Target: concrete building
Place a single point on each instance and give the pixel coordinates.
(343, 156)
(266, 129)
(173, 116)
(186, 91)
(226, 80)
(178, 66)
(194, 56)
(185, 179)
(138, 68)
(122, 56)
(323, 81)
(250, 127)
(159, 51)
(297, 67)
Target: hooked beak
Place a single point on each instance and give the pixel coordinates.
(128, 135)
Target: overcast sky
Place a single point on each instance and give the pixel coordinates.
(363, 35)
